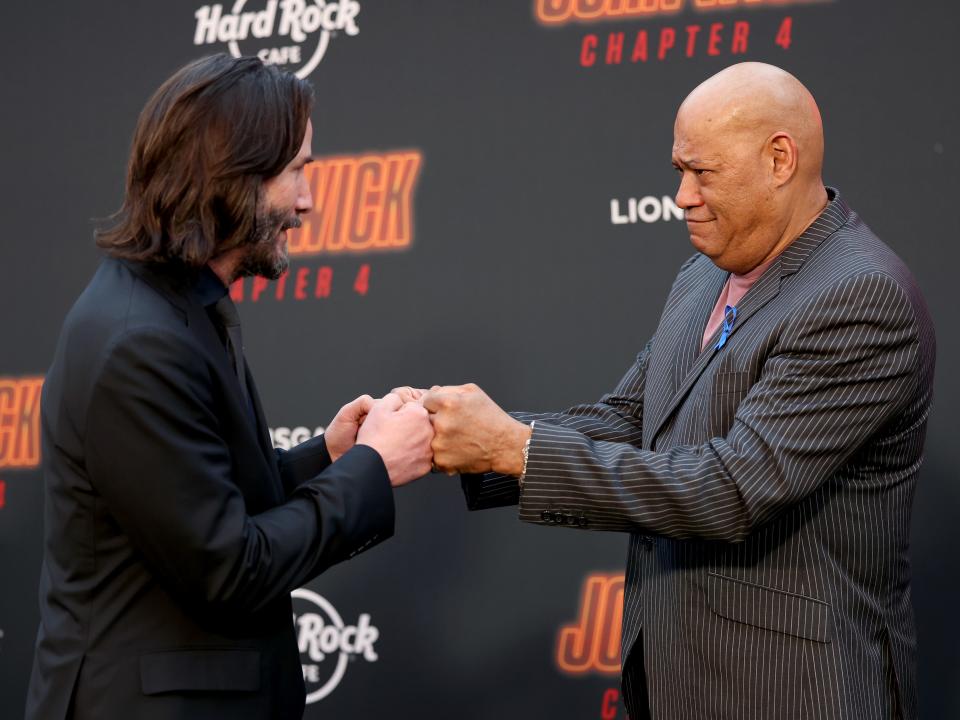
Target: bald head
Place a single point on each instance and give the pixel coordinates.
(748, 142)
(759, 100)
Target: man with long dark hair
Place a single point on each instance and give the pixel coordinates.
(174, 532)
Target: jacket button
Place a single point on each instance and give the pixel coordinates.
(582, 521)
(558, 517)
(546, 516)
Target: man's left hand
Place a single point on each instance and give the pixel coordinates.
(341, 433)
(472, 434)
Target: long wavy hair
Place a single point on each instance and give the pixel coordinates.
(204, 144)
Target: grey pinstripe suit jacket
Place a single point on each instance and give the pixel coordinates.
(766, 486)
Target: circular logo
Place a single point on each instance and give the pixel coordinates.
(326, 644)
(291, 33)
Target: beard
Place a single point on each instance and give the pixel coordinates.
(265, 255)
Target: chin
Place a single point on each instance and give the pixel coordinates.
(702, 246)
(280, 265)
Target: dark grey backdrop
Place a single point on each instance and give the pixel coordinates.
(514, 257)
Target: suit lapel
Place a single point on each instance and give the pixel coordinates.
(263, 435)
(767, 287)
(677, 344)
(202, 326)
(242, 433)
(688, 350)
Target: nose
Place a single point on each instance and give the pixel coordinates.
(304, 202)
(688, 194)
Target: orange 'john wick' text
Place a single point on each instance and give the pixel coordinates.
(20, 422)
(560, 12)
(361, 203)
(592, 644)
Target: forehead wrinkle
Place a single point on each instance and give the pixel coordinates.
(701, 160)
(691, 151)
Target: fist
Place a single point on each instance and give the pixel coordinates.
(471, 433)
(401, 433)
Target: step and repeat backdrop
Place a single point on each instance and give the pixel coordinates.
(493, 191)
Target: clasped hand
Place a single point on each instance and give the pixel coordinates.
(472, 434)
(400, 432)
(454, 429)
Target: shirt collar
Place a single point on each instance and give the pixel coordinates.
(208, 288)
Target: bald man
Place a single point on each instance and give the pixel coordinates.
(763, 450)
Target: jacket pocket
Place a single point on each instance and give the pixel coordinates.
(200, 669)
(768, 608)
(726, 392)
(731, 383)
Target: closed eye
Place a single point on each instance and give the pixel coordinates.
(698, 171)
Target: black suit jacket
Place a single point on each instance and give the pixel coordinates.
(174, 533)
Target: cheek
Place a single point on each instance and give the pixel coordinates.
(721, 199)
(281, 194)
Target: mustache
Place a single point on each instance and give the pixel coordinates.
(267, 224)
(291, 223)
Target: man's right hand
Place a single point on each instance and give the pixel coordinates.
(401, 434)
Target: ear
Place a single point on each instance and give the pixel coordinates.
(783, 157)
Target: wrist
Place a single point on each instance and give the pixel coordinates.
(338, 443)
(336, 454)
(510, 460)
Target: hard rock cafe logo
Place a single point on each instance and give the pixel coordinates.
(327, 644)
(291, 33)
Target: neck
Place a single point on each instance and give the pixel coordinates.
(225, 266)
(806, 210)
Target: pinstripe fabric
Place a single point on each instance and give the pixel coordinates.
(766, 486)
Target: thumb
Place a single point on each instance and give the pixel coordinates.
(432, 398)
(361, 406)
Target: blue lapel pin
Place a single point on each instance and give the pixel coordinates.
(729, 316)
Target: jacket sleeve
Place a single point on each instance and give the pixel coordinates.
(303, 462)
(845, 365)
(617, 417)
(156, 456)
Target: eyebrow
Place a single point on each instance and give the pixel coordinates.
(694, 161)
